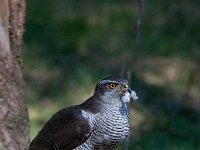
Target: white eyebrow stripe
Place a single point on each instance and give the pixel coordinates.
(107, 81)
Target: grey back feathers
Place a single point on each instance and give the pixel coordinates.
(101, 122)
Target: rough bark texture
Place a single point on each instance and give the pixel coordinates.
(13, 112)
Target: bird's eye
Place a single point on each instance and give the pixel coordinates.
(112, 85)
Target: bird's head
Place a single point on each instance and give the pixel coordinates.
(114, 89)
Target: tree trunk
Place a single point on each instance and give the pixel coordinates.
(13, 112)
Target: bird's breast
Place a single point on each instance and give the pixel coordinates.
(111, 127)
(116, 123)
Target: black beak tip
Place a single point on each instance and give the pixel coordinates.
(129, 90)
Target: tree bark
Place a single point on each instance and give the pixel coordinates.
(13, 112)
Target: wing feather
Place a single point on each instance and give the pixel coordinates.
(67, 129)
(53, 145)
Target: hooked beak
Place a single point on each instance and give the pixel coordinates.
(128, 93)
(124, 87)
(129, 90)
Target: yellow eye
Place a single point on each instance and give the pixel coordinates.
(112, 85)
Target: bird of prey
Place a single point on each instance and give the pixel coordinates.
(99, 123)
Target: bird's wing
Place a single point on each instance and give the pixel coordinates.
(53, 145)
(67, 129)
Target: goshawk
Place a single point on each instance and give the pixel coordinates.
(101, 122)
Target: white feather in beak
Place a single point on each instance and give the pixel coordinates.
(128, 95)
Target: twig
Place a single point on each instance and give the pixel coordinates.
(137, 46)
(139, 22)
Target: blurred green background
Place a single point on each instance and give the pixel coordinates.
(70, 45)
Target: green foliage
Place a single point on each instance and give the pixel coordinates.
(71, 45)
